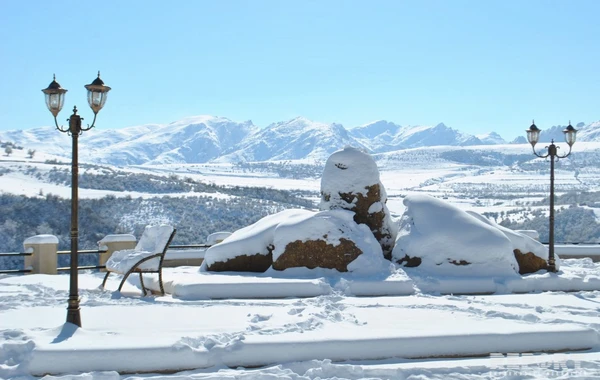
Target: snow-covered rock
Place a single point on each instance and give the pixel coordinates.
(351, 181)
(299, 239)
(441, 239)
(249, 249)
(531, 255)
(327, 239)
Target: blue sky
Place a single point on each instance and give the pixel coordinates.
(475, 65)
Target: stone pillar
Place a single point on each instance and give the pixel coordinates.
(44, 257)
(114, 243)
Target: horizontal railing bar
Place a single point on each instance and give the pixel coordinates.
(82, 251)
(11, 271)
(189, 246)
(572, 243)
(17, 254)
(64, 269)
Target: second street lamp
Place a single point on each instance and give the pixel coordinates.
(533, 135)
(55, 99)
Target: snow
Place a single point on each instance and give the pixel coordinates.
(251, 240)
(444, 237)
(350, 170)
(117, 238)
(329, 335)
(41, 239)
(379, 320)
(520, 241)
(217, 237)
(331, 226)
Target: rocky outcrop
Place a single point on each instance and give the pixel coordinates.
(249, 249)
(529, 262)
(246, 263)
(351, 181)
(318, 254)
(439, 238)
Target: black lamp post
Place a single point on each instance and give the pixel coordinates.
(533, 135)
(55, 99)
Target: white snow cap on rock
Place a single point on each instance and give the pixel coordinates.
(251, 240)
(439, 232)
(520, 241)
(358, 171)
(331, 226)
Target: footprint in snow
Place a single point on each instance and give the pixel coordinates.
(296, 311)
(260, 318)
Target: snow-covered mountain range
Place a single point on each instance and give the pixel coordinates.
(201, 139)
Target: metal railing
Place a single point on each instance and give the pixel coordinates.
(15, 271)
(84, 252)
(189, 246)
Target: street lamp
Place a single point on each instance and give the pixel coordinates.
(55, 99)
(533, 135)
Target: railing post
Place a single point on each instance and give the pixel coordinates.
(44, 257)
(114, 243)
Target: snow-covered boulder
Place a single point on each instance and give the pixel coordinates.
(326, 239)
(531, 255)
(248, 249)
(441, 239)
(351, 181)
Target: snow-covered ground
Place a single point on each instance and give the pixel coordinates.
(333, 335)
(471, 187)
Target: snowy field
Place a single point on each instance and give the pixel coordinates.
(334, 335)
(471, 187)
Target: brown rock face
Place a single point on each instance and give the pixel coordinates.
(317, 253)
(360, 204)
(529, 263)
(409, 262)
(254, 263)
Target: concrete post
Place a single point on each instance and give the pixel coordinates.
(113, 243)
(44, 257)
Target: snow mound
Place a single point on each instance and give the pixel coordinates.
(452, 242)
(520, 241)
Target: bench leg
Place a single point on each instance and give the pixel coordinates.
(105, 278)
(160, 282)
(142, 283)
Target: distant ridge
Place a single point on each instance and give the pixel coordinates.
(205, 138)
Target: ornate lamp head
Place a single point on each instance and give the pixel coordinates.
(533, 134)
(55, 97)
(97, 93)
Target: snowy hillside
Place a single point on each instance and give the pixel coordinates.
(491, 138)
(298, 138)
(193, 140)
(383, 136)
(202, 139)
